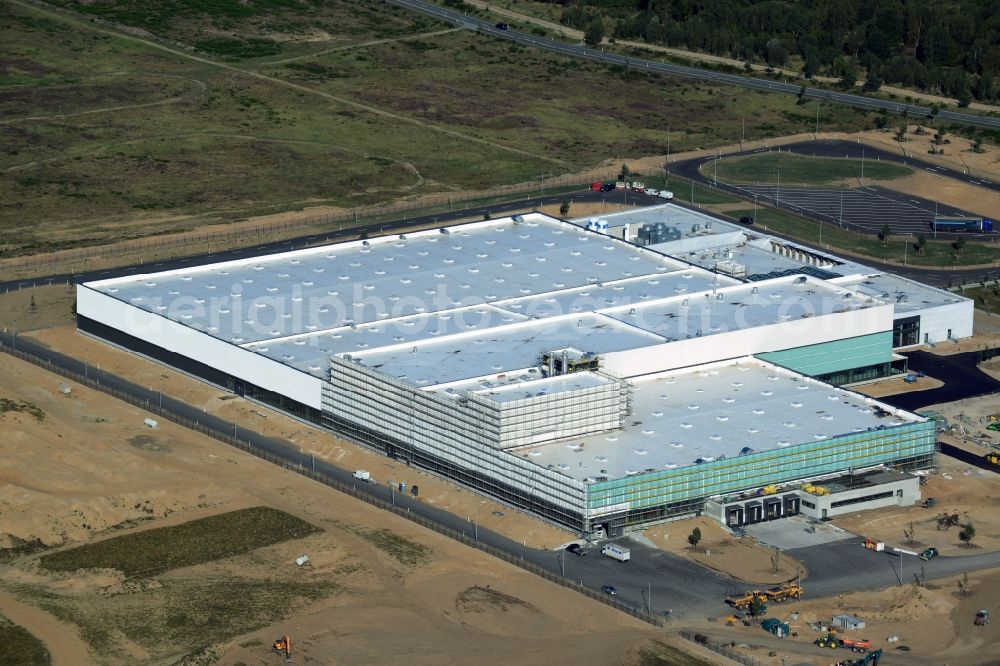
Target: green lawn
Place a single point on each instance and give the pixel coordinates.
(898, 249)
(154, 551)
(799, 169)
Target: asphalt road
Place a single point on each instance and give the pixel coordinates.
(675, 584)
(869, 208)
(961, 376)
(587, 53)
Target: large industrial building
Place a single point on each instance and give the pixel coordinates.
(599, 381)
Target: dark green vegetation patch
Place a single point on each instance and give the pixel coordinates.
(158, 550)
(800, 169)
(21, 648)
(9, 405)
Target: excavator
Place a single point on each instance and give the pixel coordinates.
(283, 646)
(870, 659)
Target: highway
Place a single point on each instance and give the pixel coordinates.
(587, 53)
(675, 584)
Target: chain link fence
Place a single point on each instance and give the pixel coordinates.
(8, 345)
(728, 650)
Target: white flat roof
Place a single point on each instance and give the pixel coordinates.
(714, 411)
(906, 295)
(482, 353)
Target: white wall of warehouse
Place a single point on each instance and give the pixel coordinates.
(172, 336)
(748, 341)
(955, 317)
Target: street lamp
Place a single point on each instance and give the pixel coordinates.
(901, 553)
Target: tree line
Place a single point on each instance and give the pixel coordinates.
(950, 48)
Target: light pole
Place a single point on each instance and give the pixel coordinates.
(901, 553)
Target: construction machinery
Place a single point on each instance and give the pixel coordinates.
(928, 554)
(283, 646)
(745, 601)
(784, 592)
(829, 641)
(815, 490)
(856, 644)
(982, 618)
(871, 544)
(992, 459)
(870, 659)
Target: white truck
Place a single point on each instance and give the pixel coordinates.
(362, 475)
(616, 552)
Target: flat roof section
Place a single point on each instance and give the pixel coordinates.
(310, 352)
(290, 293)
(906, 295)
(523, 386)
(742, 307)
(678, 418)
(617, 293)
(515, 347)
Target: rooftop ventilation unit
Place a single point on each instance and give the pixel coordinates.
(518, 219)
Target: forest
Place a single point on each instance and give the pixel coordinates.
(950, 48)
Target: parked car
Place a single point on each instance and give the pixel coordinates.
(596, 187)
(502, 26)
(666, 194)
(653, 193)
(929, 553)
(747, 220)
(609, 589)
(608, 187)
(576, 550)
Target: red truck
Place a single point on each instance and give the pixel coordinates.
(596, 187)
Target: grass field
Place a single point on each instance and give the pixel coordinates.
(799, 169)
(897, 249)
(155, 551)
(19, 647)
(308, 104)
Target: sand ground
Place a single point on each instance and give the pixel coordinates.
(934, 621)
(742, 558)
(896, 386)
(91, 466)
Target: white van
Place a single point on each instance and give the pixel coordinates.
(616, 552)
(666, 194)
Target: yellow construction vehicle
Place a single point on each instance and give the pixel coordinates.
(992, 459)
(745, 601)
(283, 646)
(770, 490)
(784, 592)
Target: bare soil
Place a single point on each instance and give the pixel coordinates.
(742, 558)
(75, 477)
(971, 493)
(896, 386)
(933, 622)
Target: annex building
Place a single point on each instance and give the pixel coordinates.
(594, 381)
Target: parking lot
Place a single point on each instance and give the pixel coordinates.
(869, 208)
(795, 532)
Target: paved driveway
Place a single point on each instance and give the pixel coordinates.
(796, 532)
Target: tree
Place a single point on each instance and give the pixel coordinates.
(758, 606)
(977, 144)
(901, 133)
(872, 82)
(964, 97)
(487, 216)
(921, 243)
(811, 66)
(885, 234)
(849, 78)
(908, 534)
(881, 122)
(694, 537)
(959, 245)
(968, 533)
(564, 208)
(624, 172)
(594, 34)
(34, 306)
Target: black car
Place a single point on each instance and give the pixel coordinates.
(608, 187)
(609, 589)
(747, 220)
(502, 26)
(576, 550)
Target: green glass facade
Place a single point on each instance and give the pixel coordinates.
(910, 444)
(834, 357)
